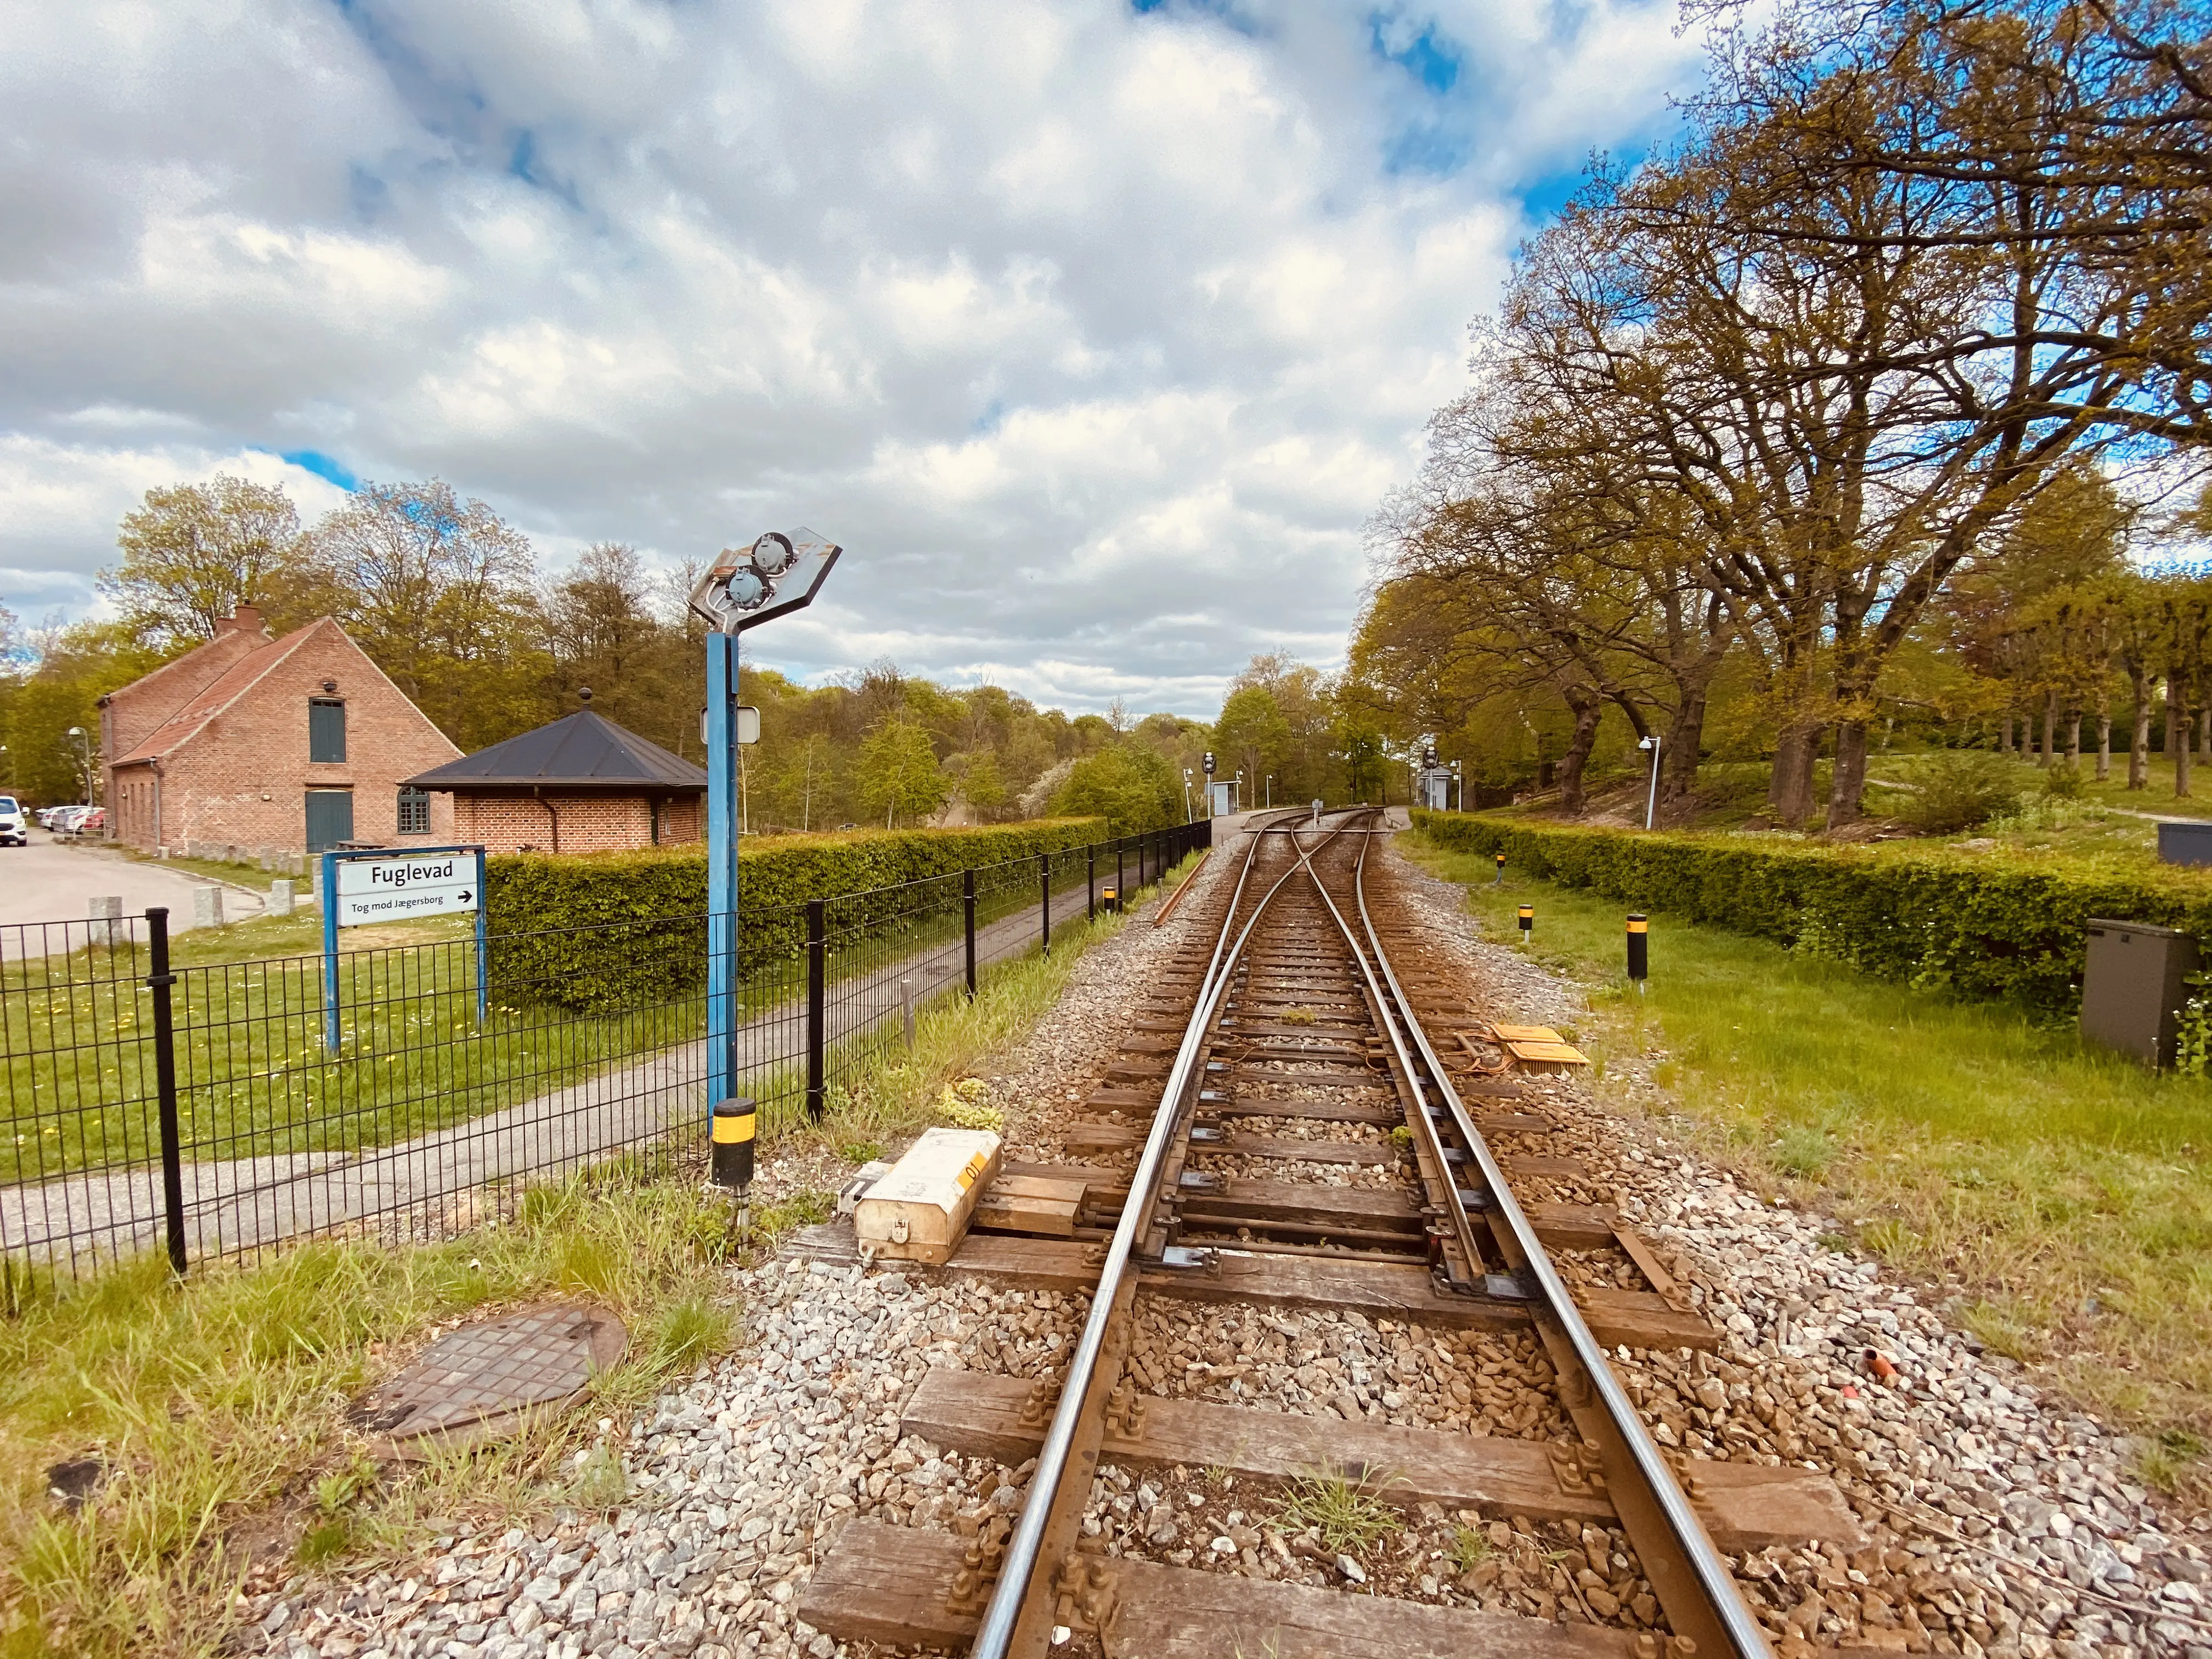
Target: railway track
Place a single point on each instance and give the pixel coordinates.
(1304, 1126)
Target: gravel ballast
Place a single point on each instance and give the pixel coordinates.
(2000, 1522)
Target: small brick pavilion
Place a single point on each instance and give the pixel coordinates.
(580, 785)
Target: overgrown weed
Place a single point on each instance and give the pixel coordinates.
(1348, 1512)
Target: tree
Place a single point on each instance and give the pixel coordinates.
(1127, 784)
(1251, 733)
(982, 786)
(437, 590)
(604, 630)
(193, 553)
(899, 774)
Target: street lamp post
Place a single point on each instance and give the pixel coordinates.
(1651, 802)
(1271, 788)
(1186, 794)
(743, 588)
(84, 747)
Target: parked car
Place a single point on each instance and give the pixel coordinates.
(15, 830)
(92, 822)
(66, 820)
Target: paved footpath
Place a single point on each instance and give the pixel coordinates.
(239, 1203)
(52, 880)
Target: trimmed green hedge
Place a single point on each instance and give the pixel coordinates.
(1986, 924)
(533, 900)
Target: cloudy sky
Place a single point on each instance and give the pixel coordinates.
(1094, 330)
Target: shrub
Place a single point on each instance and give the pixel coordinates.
(600, 931)
(2062, 781)
(1132, 787)
(1958, 789)
(1984, 925)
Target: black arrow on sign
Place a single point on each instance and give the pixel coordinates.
(466, 896)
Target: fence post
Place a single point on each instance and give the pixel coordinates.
(906, 1009)
(165, 1083)
(1120, 893)
(816, 949)
(1044, 898)
(1090, 883)
(967, 909)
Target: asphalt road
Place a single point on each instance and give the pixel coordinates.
(53, 881)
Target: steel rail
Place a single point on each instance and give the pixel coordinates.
(996, 1631)
(1714, 1579)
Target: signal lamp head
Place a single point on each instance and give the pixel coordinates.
(749, 590)
(773, 554)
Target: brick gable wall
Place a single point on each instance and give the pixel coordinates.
(240, 781)
(130, 715)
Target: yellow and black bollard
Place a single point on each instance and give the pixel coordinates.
(1528, 922)
(1110, 899)
(1500, 882)
(730, 1166)
(1639, 956)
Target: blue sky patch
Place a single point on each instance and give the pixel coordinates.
(1430, 58)
(322, 465)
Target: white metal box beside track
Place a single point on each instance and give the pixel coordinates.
(921, 1210)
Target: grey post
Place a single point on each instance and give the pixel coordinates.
(906, 1009)
(207, 906)
(280, 897)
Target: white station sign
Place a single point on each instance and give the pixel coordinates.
(403, 888)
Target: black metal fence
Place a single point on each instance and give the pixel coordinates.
(155, 1099)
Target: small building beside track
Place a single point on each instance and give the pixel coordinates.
(580, 785)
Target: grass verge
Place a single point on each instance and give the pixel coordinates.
(217, 1409)
(2059, 1193)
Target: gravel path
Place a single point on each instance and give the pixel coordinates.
(2002, 1523)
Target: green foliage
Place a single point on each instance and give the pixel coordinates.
(2192, 1048)
(981, 785)
(899, 774)
(532, 897)
(1131, 787)
(1983, 926)
(1958, 790)
(1349, 1514)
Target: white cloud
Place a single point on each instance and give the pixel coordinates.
(1094, 335)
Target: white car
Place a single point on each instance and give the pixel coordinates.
(13, 824)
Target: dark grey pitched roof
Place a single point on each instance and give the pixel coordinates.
(583, 751)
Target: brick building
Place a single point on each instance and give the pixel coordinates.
(248, 745)
(580, 785)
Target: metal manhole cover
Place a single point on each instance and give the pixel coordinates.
(478, 1377)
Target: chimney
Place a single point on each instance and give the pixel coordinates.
(245, 619)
